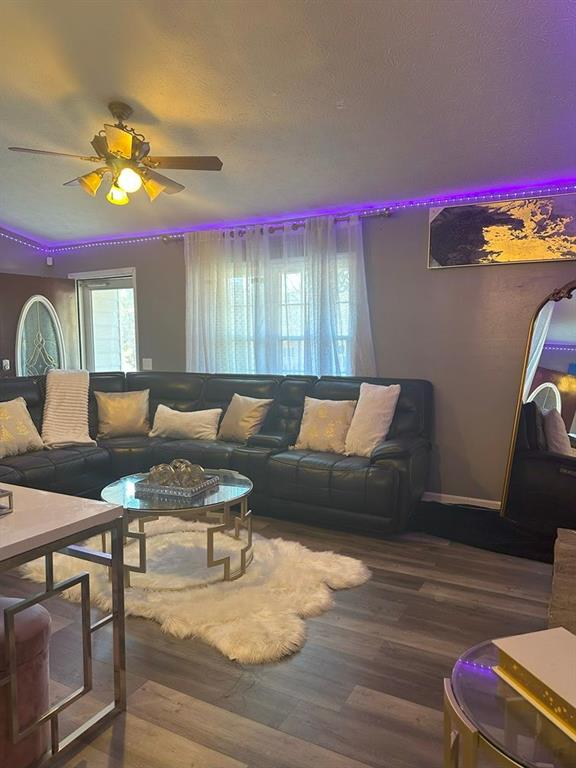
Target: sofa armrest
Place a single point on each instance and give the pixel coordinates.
(565, 464)
(274, 442)
(399, 448)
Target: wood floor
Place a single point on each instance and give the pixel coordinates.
(366, 690)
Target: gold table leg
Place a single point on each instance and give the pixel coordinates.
(232, 523)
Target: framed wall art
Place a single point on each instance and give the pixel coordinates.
(503, 232)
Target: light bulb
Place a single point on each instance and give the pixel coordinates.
(117, 196)
(129, 180)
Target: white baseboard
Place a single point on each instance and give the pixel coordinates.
(446, 498)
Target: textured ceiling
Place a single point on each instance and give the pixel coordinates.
(310, 104)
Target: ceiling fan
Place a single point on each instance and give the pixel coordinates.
(125, 156)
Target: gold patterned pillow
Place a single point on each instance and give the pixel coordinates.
(325, 424)
(122, 413)
(18, 433)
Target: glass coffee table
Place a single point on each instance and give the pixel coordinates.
(224, 509)
(486, 719)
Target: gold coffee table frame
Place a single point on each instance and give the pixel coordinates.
(224, 512)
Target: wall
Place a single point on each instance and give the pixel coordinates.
(160, 293)
(465, 329)
(20, 259)
(15, 290)
(558, 360)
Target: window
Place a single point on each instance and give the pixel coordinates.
(547, 397)
(39, 338)
(108, 322)
(285, 299)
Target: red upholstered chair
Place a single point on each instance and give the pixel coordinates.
(32, 638)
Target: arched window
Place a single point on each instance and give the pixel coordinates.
(39, 338)
(547, 397)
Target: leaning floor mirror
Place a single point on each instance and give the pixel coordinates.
(540, 490)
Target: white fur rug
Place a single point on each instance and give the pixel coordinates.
(255, 619)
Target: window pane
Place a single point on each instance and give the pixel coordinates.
(40, 340)
(292, 288)
(113, 330)
(292, 356)
(293, 320)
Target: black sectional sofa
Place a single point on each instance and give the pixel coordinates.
(375, 494)
(542, 493)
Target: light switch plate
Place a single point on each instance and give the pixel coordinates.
(146, 363)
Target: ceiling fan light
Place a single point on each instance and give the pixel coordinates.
(117, 196)
(90, 182)
(153, 188)
(129, 180)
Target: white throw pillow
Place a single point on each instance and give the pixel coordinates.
(325, 424)
(18, 433)
(557, 438)
(244, 417)
(372, 418)
(191, 425)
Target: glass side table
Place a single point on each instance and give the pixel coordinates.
(486, 723)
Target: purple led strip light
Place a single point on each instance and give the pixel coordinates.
(505, 193)
(560, 347)
(483, 668)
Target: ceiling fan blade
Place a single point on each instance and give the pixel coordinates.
(119, 141)
(171, 187)
(100, 145)
(90, 182)
(186, 163)
(90, 158)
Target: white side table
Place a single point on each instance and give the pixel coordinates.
(41, 524)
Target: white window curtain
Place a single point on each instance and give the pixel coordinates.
(285, 299)
(539, 334)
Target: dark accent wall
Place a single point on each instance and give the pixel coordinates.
(15, 290)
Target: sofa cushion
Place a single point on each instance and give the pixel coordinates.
(130, 454)
(215, 454)
(64, 469)
(286, 413)
(332, 480)
(219, 390)
(10, 475)
(179, 391)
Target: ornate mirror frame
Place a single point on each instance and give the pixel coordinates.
(38, 299)
(566, 292)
